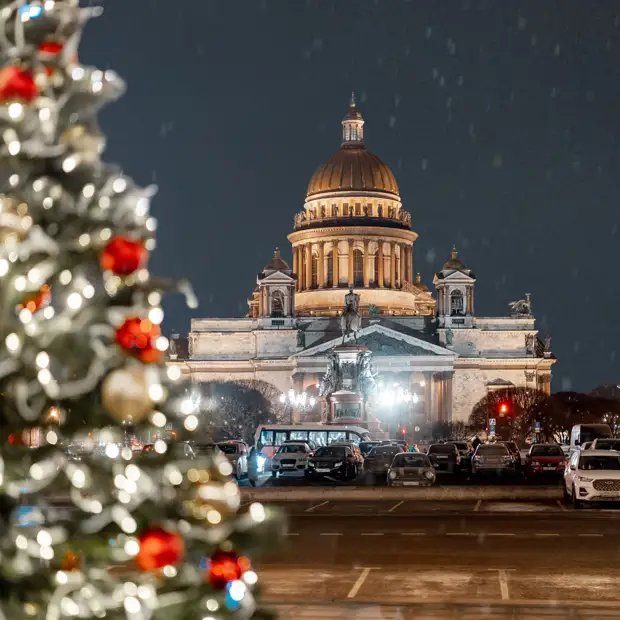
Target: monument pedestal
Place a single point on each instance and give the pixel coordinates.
(347, 404)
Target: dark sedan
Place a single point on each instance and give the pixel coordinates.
(333, 462)
(411, 469)
(445, 457)
(379, 460)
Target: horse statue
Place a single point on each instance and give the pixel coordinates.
(350, 319)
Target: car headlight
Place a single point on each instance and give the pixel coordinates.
(584, 479)
(429, 474)
(338, 464)
(392, 474)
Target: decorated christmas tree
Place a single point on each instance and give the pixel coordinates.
(143, 533)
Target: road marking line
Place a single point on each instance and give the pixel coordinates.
(499, 533)
(317, 506)
(561, 505)
(413, 533)
(292, 534)
(477, 506)
(372, 533)
(330, 534)
(359, 583)
(503, 584)
(591, 535)
(546, 534)
(458, 534)
(395, 506)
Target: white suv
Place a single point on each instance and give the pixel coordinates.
(291, 456)
(592, 476)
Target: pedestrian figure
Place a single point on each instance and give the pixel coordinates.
(253, 466)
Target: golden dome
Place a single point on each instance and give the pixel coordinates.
(420, 285)
(454, 262)
(353, 167)
(277, 263)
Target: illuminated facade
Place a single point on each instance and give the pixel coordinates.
(354, 233)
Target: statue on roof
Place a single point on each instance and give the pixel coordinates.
(522, 307)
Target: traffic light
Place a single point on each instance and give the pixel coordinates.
(403, 430)
(504, 409)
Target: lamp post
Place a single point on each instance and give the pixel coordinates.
(299, 401)
(395, 395)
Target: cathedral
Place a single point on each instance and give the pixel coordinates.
(353, 233)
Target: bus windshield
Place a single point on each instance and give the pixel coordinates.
(270, 437)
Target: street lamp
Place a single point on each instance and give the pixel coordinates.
(297, 400)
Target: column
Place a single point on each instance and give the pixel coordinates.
(350, 275)
(321, 270)
(336, 264)
(408, 264)
(448, 396)
(428, 400)
(308, 258)
(381, 282)
(295, 266)
(393, 265)
(366, 264)
(401, 271)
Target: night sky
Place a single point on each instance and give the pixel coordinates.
(500, 120)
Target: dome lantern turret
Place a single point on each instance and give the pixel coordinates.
(353, 125)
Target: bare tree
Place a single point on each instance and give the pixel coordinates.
(524, 407)
(234, 409)
(456, 431)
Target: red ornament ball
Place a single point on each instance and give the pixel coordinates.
(159, 548)
(226, 566)
(138, 336)
(35, 301)
(53, 48)
(123, 256)
(16, 84)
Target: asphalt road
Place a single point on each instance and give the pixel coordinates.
(508, 558)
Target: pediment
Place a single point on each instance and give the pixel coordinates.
(276, 277)
(457, 276)
(383, 342)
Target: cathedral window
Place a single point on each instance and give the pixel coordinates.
(353, 133)
(358, 268)
(315, 271)
(334, 210)
(380, 210)
(456, 302)
(277, 304)
(358, 208)
(330, 268)
(376, 271)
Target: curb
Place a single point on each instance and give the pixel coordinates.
(342, 494)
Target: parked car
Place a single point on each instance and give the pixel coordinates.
(466, 451)
(335, 461)
(377, 463)
(411, 469)
(444, 457)
(545, 459)
(357, 453)
(205, 449)
(605, 444)
(592, 476)
(237, 454)
(291, 456)
(492, 458)
(367, 446)
(514, 452)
